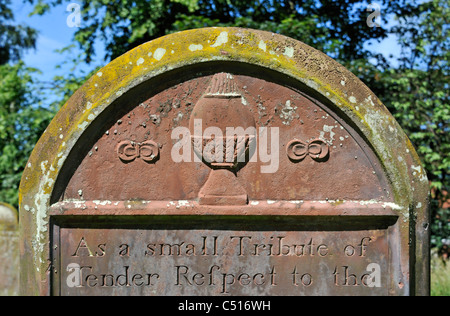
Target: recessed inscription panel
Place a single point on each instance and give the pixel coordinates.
(197, 261)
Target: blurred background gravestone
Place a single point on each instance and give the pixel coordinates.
(9, 251)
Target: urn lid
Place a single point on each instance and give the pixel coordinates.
(222, 106)
(224, 86)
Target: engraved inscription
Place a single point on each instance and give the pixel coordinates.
(223, 262)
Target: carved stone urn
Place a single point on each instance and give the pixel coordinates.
(223, 133)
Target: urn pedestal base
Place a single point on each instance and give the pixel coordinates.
(222, 188)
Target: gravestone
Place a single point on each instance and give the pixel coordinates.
(9, 251)
(224, 161)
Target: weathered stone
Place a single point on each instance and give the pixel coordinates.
(9, 251)
(144, 184)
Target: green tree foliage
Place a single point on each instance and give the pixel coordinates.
(13, 38)
(418, 93)
(21, 124)
(21, 121)
(336, 27)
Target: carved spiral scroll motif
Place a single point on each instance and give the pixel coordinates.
(129, 151)
(317, 149)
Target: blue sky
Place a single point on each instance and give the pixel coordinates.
(55, 34)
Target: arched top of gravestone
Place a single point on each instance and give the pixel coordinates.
(170, 60)
(322, 76)
(8, 215)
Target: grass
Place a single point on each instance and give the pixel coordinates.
(440, 277)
